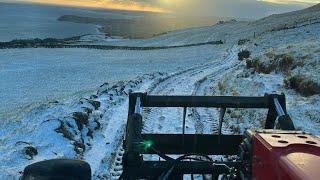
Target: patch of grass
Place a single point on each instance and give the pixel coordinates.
(234, 93)
(236, 129)
(303, 85)
(221, 87)
(317, 51)
(233, 115)
(306, 57)
(243, 41)
(243, 54)
(270, 54)
(278, 63)
(284, 63)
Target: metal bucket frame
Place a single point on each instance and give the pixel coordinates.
(134, 167)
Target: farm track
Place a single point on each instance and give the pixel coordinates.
(207, 119)
(169, 120)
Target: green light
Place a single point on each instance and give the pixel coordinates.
(147, 144)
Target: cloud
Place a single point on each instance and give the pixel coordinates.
(235, 8)
(226, 8)
(238, 8)
(135, 5)
(141, 5)
(292, 1)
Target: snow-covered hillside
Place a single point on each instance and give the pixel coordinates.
(33, 76)
(229, 31)
(90, 126)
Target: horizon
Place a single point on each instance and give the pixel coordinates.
(218, 8)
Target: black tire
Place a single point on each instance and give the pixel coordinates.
(58, 169)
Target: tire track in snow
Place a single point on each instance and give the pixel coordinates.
(109, 148)
(184, 84)
(205, 116)
(180, 84)
(207, 119)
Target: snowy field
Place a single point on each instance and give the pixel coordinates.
(33, 76)
(85, 114)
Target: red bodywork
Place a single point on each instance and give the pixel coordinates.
(285, 156)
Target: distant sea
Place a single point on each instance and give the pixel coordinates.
(23, 21)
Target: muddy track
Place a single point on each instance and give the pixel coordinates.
(169, 120)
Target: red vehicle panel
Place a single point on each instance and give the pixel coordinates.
(286, 156)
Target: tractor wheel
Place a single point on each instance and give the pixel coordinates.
(58, 169)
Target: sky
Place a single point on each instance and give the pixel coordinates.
(225, 8)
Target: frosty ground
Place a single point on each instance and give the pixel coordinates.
(33, 76)
(91, 126)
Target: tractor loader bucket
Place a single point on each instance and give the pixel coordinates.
(137, 144)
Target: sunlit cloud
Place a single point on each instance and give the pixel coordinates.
(141, 5)
(112, 4)
(292, 1)
(230, 8)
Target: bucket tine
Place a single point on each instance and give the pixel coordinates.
(222, 113)
(184, 124)
(184, 120)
